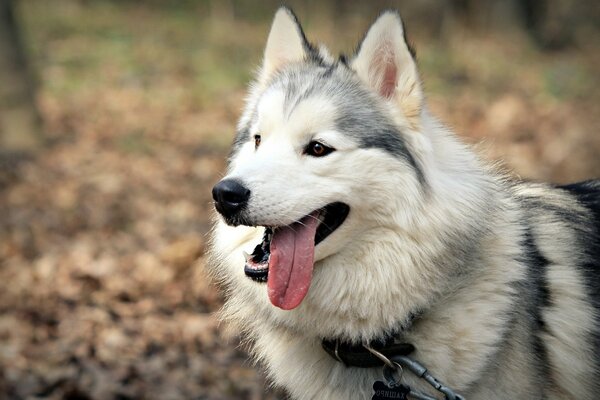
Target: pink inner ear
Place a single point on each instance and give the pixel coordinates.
(386, 71)
(388, 83)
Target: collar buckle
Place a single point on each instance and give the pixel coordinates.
(360, 356)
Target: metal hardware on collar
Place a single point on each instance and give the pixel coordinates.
(393, 375)
(358, 355)
(386, 361)
(419, 370)
(394, 358)
(392, 372)
(336, 352)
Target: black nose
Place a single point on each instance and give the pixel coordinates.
(230, 197)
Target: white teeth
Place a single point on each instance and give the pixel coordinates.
(247, 256)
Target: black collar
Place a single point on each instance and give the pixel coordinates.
(358, 355)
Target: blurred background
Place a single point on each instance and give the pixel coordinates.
(116, 117)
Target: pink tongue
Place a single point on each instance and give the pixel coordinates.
(291, 262)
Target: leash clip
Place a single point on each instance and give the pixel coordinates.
(392, 371)
(420, 371)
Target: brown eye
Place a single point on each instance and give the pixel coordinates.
(317, 149)
(256, 141)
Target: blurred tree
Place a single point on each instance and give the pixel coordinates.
(19, 120)
(550, 23)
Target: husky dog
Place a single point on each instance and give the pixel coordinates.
(352, 219)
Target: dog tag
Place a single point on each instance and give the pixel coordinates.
(384, 392)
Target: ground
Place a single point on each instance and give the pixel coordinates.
(103, 293)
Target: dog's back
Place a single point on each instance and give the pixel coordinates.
(556, 326)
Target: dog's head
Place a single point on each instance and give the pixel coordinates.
(326, 150)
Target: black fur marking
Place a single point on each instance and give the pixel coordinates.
(328, 72)
(372, 131)
(409, 45)
(538, 298)
(588, 195)
(391, 141)
(312, 53)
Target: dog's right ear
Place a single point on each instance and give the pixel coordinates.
(286, 43)
(384, 61)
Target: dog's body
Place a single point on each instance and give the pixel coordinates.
(503, 276)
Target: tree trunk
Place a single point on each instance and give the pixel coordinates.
(19, 120)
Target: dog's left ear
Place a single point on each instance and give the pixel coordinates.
(384, 61)
(286, 43)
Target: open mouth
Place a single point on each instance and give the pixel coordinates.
(284, 259)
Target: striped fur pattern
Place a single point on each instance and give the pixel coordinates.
(504, 274)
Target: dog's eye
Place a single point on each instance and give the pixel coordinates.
(256, 141)
(317, 149)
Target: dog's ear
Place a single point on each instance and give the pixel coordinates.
(385, 62)
(286, 43)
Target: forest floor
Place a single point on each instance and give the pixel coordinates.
(103, 293)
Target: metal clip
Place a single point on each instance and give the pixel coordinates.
(379, 355)
(392, 371)
(392, 376)
(419, 370)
